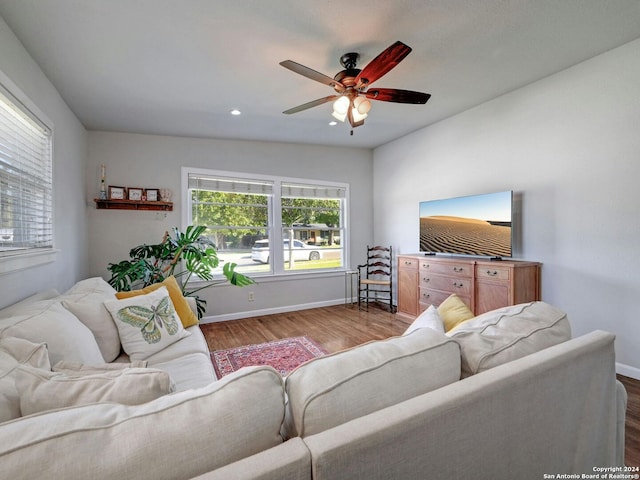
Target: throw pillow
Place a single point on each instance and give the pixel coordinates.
(90, 310)
(67, 338)
(187, 317)
(42, 390)
(427, 319)
(85, 300)
(13, 353)
(146, 323)
(453, 312)
(508, 333)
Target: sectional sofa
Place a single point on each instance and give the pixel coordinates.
(505, 395)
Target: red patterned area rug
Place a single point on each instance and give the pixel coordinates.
(283, 355)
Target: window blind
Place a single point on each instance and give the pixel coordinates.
(26, 179)
(299, 190)
(229, 184)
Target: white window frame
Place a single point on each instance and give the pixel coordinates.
(274, 227)
(30, 256)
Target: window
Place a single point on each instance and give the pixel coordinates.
(26, 179)
(270, 225)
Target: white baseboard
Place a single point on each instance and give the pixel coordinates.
(628, 371)
(269, 311)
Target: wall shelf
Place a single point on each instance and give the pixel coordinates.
(133, 205)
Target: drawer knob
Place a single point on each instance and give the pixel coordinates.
(458, 285)
(424, 279)
(457, 269)
(426, 295)
(492, 274)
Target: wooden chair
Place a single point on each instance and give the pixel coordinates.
(375, 278)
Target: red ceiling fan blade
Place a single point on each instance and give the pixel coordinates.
(312, 104)
(312, 74)
(397, 96)
(382, 64)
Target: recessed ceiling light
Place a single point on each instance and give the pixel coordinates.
(333, 122)
(235, 111)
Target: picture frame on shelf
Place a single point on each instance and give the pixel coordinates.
(153, 194)
(117, 193)
(135, 193)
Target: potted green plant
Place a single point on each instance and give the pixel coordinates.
(181, 254)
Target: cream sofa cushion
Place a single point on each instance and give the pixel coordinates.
(40, 390)
(194, 343)
(79, 368)
(508, 333)
(146, 323)
(193, 370)
(181, 435)
(187, 361)
(13, 353)
(334, 389)
(49, 322)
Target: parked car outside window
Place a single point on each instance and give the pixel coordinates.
(301, 251)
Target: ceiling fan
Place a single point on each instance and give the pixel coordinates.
(351, 100)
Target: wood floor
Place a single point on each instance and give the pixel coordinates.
(632, 423)
(339, 327)
(334, 328)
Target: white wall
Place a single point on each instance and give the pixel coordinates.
(155, 161)
(70, 150)
(568, 145)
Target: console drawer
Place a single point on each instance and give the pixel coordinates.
(447, 268)
(486, 272)
(435, 298)
(429, 296)
(408, 263)
(450, 284)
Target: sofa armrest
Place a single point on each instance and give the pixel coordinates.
(558, 405)
(288, 461)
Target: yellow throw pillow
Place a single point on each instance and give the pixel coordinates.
(187, 317)
(453, 312)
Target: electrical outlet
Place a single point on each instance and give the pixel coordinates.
(251, 297)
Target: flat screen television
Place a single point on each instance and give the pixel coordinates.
(478, 225)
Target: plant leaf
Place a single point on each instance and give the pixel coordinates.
(149, 264)
(236, 278)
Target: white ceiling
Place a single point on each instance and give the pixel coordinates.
(177, 67)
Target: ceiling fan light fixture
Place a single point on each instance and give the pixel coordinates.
(339, 116)
(341, 105)
(362, 105)
(357, 116)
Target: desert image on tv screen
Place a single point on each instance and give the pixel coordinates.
(475, 225)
